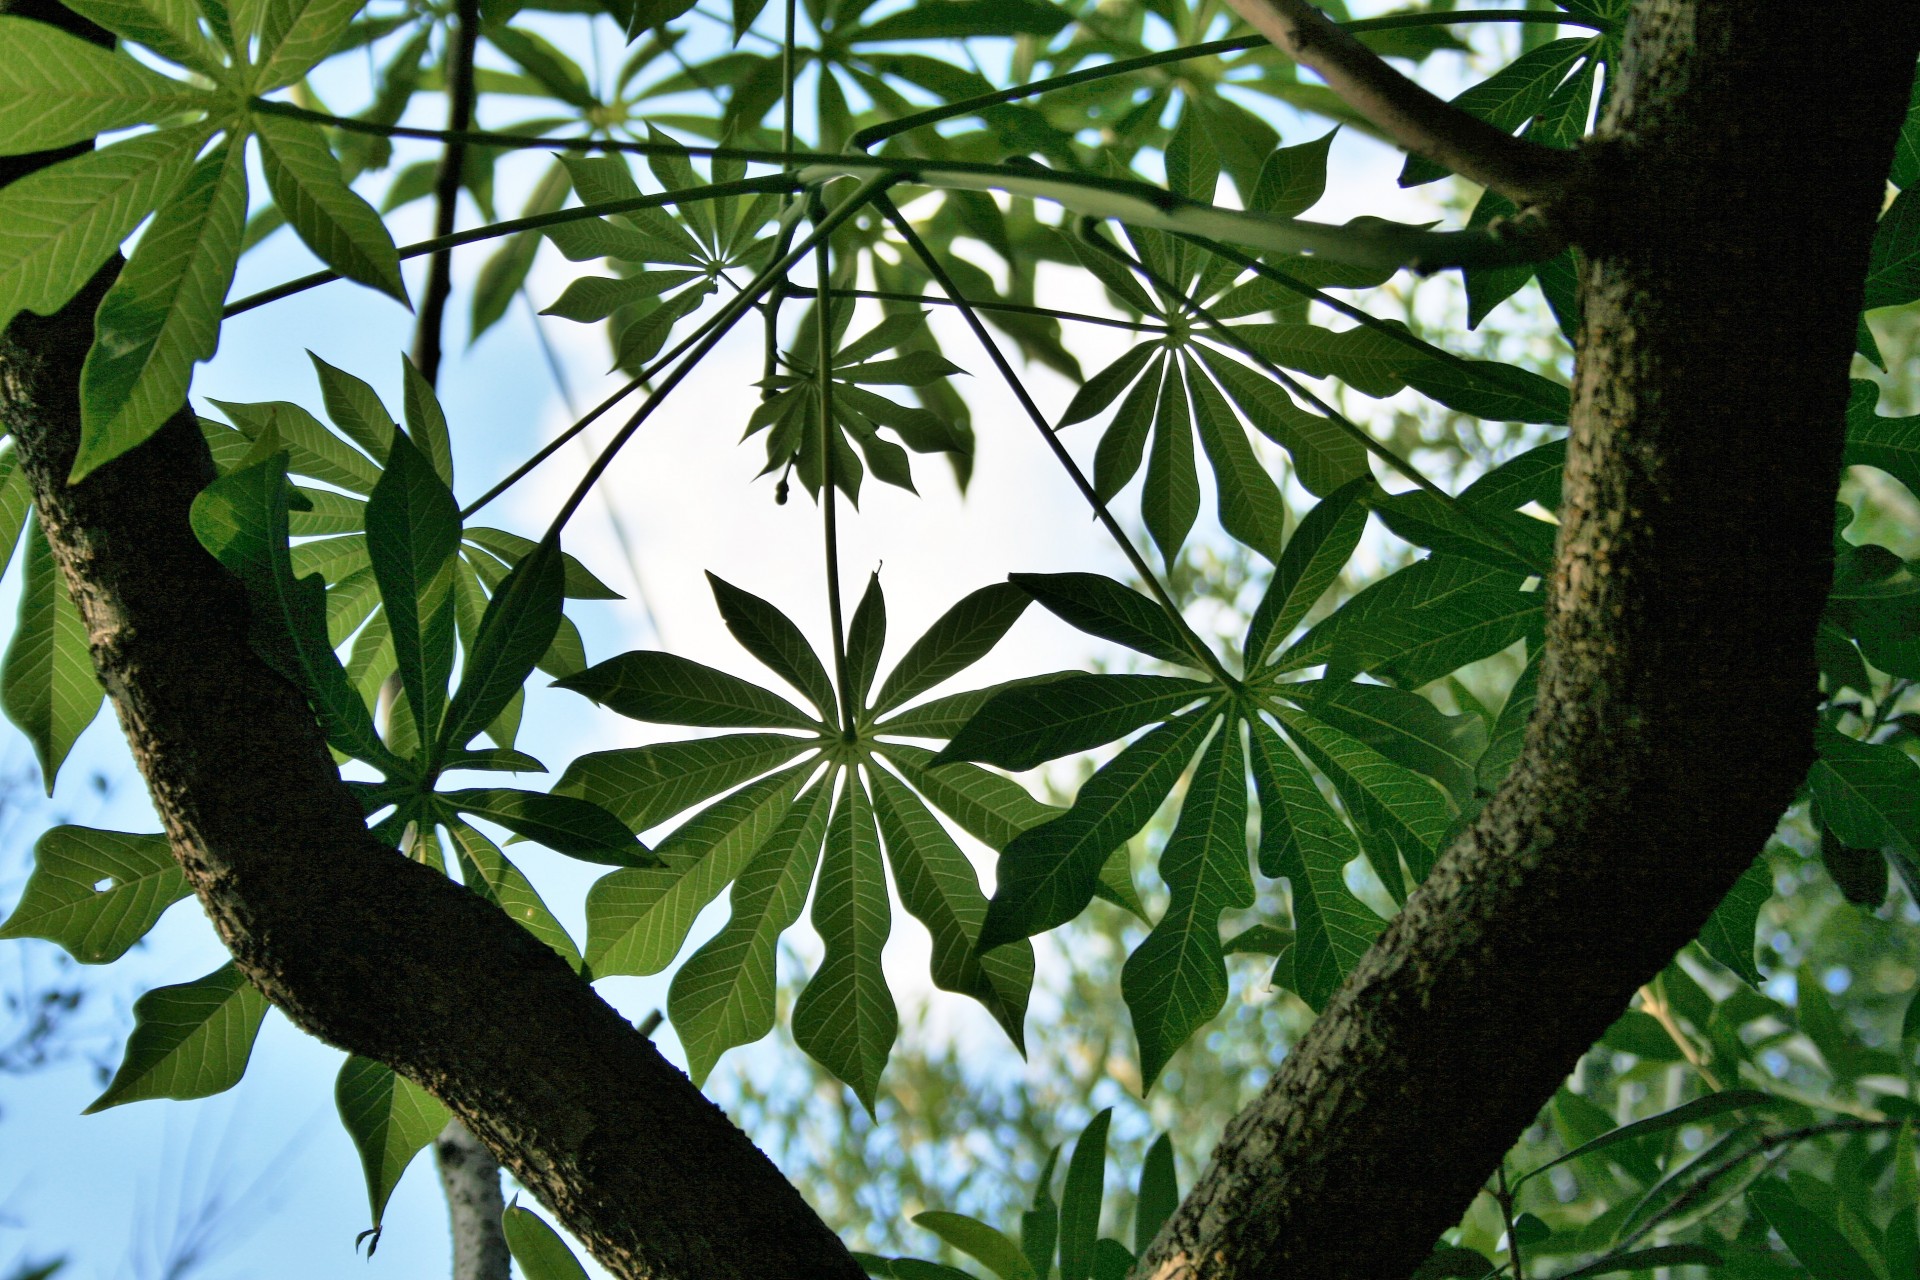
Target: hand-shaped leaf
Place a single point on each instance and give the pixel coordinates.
(57, 89)
(188, 1041)
(389, 1118)
(330, 217)
(96, 893)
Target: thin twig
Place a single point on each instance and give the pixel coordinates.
(829, 507)
(1195, 644)
(1524, 172)
(1655, 1004)
(428, 341)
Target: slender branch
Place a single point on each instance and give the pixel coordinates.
(866, 138)
(493, 231)
(428, 337)
(829, 508)
(716, 329)
(1195, 644)
(1504, 1198)
(1524, 172)
(1224, 334)
(1655, 1003)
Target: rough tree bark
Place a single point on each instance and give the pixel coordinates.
(1725, 215)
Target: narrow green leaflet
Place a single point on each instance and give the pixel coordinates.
(1312, 559)
(845, 1017)
(1249, 503)
(1893, 274)
(389, 1118)
(1868, 793)
(1048, 873)
(1026, 724)
(1124, 444)
(1511, 96)
(296, 34)
(426, 421)
(312, 450)
(939, 887)
(1504, 541)
(963, 635)
(341, 228)
(987, 806)
(189, 1041)
(1891, 444)
(578, 828)
(1325, 456)
(1040, 1225)
(413, 530)
(1176, 980)
(1104, 387)
(355, 408)
(1111, 610)
(1080, 1199)
(979, 1241)
(771, 636)
(580, 584)
(724, 994)
(16, 503)
(47, 685)
(1821, 1247)
(517, 629)
(1698, 1111)
(637, 918)
(96, 893)
(1385, 797)
(668, 689)
(57, 89)
(537, 1248)
(488, 873)
(59, 225)
(1509, 732)
(1170, 496)
(1402, 726)
(1304, 840)
(1728, 936)
(162, 314)
(1159, 1193)
(644, 786)
(866, 638)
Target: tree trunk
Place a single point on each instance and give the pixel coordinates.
(1725, 223)
(470, 1179)
(358, 945)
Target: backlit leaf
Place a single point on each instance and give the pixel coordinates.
(96, 893)
(389, 1118)
(668, 689)
(1024, 724)
(189, 1041)
(341, 228)
(47, 685)
(57, 89)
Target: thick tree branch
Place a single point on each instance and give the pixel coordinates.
(1524, 172)
(1675, 713)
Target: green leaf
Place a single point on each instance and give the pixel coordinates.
(1728, 935)
(1304, 840)
(1291, 181)
(1509, 731)
(637, 918)
(565, 824)
(96, 893)
(297, 34)
(16, 503)
(724, 994)
(667, 689)
(1893, 272)
(56, 89)
(519, 625)
(312, 450)
(538, 57)
(1428, 619)
(510, 547)
(1313, 558)
(1176, 980)
(591, 298)
(162, 314)
(332, 219)
(188, 1041)
(1891, 444)
(1025, 724)
(1111, 610)
(770, 636)
(1250, 506)
(1325, 456)
(413, 530)
(1170, 497)
(538, 1249)
(1819, 1246)
(1699, 1111)
(1533, 476)
(1159, 1193)
(1104, 387)
(906, 1268)
(1869, 793)
(1047, 874)
(355, 409)
(645, 786)
(938, 887)
(1643, 1260)
(963, 635)
(1080, 1199)
(1402, 726)
(987, 806)
(959, 19)
(1488, 389)
(487, 872)
(866, 637)
(171, 28)
(47, 685)
(845, 1018)
(1499, 539)
(1040, 1225)
(1510, 97)
(1118, 455)
(1383, 796)
(59, 225)
(979, 1241)
(389, 1118)
(426, 421)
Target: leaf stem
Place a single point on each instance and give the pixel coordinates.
(1504, 1196)
(1194, 643)
(829, 507)
(716, 329)
(429, 339)
(866, 138)
(715, 191)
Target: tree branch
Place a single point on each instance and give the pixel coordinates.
(429, 335)
(1675, 714)
(1524, 172)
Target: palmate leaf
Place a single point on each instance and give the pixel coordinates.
(96, 893)
(47, 684)
(1384, 798)
(188, 1041)
(413, 531)
(665, 688)
(963, 635)
(1111, 610)
(162, 315)
(295, 35)
(564, 824)
(56, 89)
(1402, 726)
(389, 1118)
(645, 786)
(333, 220)
(1312, 559)
(171, 28)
